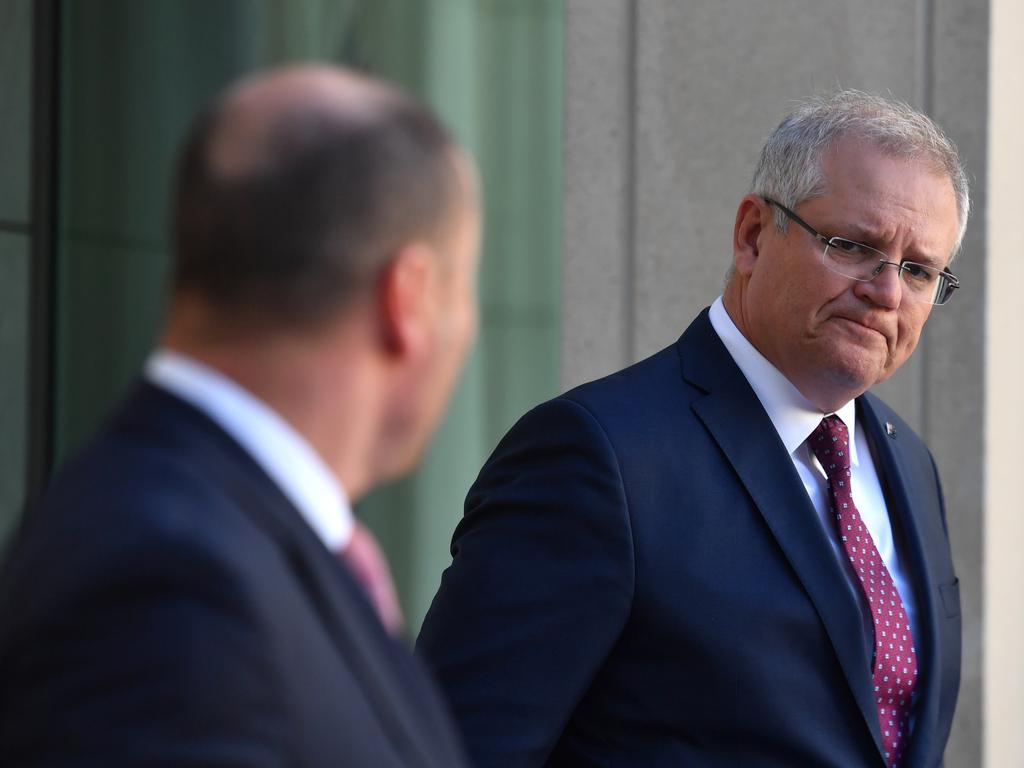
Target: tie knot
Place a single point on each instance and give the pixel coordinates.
(830, 442)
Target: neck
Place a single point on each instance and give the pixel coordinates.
(321, 384)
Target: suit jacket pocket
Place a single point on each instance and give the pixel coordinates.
(951, 598)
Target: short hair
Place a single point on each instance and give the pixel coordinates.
(290, 240)
(789, 169)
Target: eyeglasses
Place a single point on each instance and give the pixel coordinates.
(864, 263)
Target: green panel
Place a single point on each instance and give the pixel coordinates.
(14, 333)
(111, 301)
(520, 155)
(134, 76)
(130, 90)
(15, 109)
(491, 68)
(301, 30)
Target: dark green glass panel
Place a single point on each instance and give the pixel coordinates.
(14, 335)
(135, 73)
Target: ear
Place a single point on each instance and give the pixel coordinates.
(753, 218)
(405, 298)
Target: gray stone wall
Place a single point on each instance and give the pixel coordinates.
(667, 104)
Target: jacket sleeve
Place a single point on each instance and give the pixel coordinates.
(539, 589)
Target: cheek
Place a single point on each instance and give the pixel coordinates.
(909, 330)
(805, 287)
(774, 294)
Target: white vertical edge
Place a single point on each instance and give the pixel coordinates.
(1004, 416)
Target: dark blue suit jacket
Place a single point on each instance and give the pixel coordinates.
(166, 605)
(640, 579)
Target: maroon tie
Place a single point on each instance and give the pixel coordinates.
(895, 665)
(364, 559)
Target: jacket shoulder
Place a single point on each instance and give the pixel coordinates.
(657, 375)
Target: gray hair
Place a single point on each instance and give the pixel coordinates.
(789, 169)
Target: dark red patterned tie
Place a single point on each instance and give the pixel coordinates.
(895, 665)
(367, 563)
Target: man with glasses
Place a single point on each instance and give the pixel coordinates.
(732, 554)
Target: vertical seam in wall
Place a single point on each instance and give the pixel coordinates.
(15, 227)
(46, 40)
(629, 284)
(563, 254)
(926, 11)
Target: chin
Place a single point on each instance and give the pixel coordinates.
(855, 375)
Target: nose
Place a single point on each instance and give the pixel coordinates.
(885, 289)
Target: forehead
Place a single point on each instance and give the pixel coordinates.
(894, 199)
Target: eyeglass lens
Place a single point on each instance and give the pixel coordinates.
(863, 263)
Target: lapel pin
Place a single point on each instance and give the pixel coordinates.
(890, 430)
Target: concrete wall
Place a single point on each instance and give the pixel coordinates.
(667, 104)
(1004, 419)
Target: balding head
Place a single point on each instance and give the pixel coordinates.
(297, 186)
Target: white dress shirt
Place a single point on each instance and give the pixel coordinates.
(286, 456)
(795, 419)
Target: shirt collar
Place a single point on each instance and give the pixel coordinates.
(285, 455)
(791, 413)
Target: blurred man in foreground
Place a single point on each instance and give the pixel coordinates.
(179, 597)
(730, 554)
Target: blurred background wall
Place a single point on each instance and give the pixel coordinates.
(125, 80)
(615, 138)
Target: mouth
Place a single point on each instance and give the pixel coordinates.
(863, 329)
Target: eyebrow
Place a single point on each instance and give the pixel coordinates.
(871, 237)
(863, 234)
(928, 261)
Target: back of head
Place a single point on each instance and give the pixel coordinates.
(295, 187)
(789, 169)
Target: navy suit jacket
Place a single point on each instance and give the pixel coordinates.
(166, 605)
(640, 579)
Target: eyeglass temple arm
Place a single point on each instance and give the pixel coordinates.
(811, 230)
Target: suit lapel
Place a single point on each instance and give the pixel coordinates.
(890, 462)
(363, 644)
(351, 624)
(738, 423)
